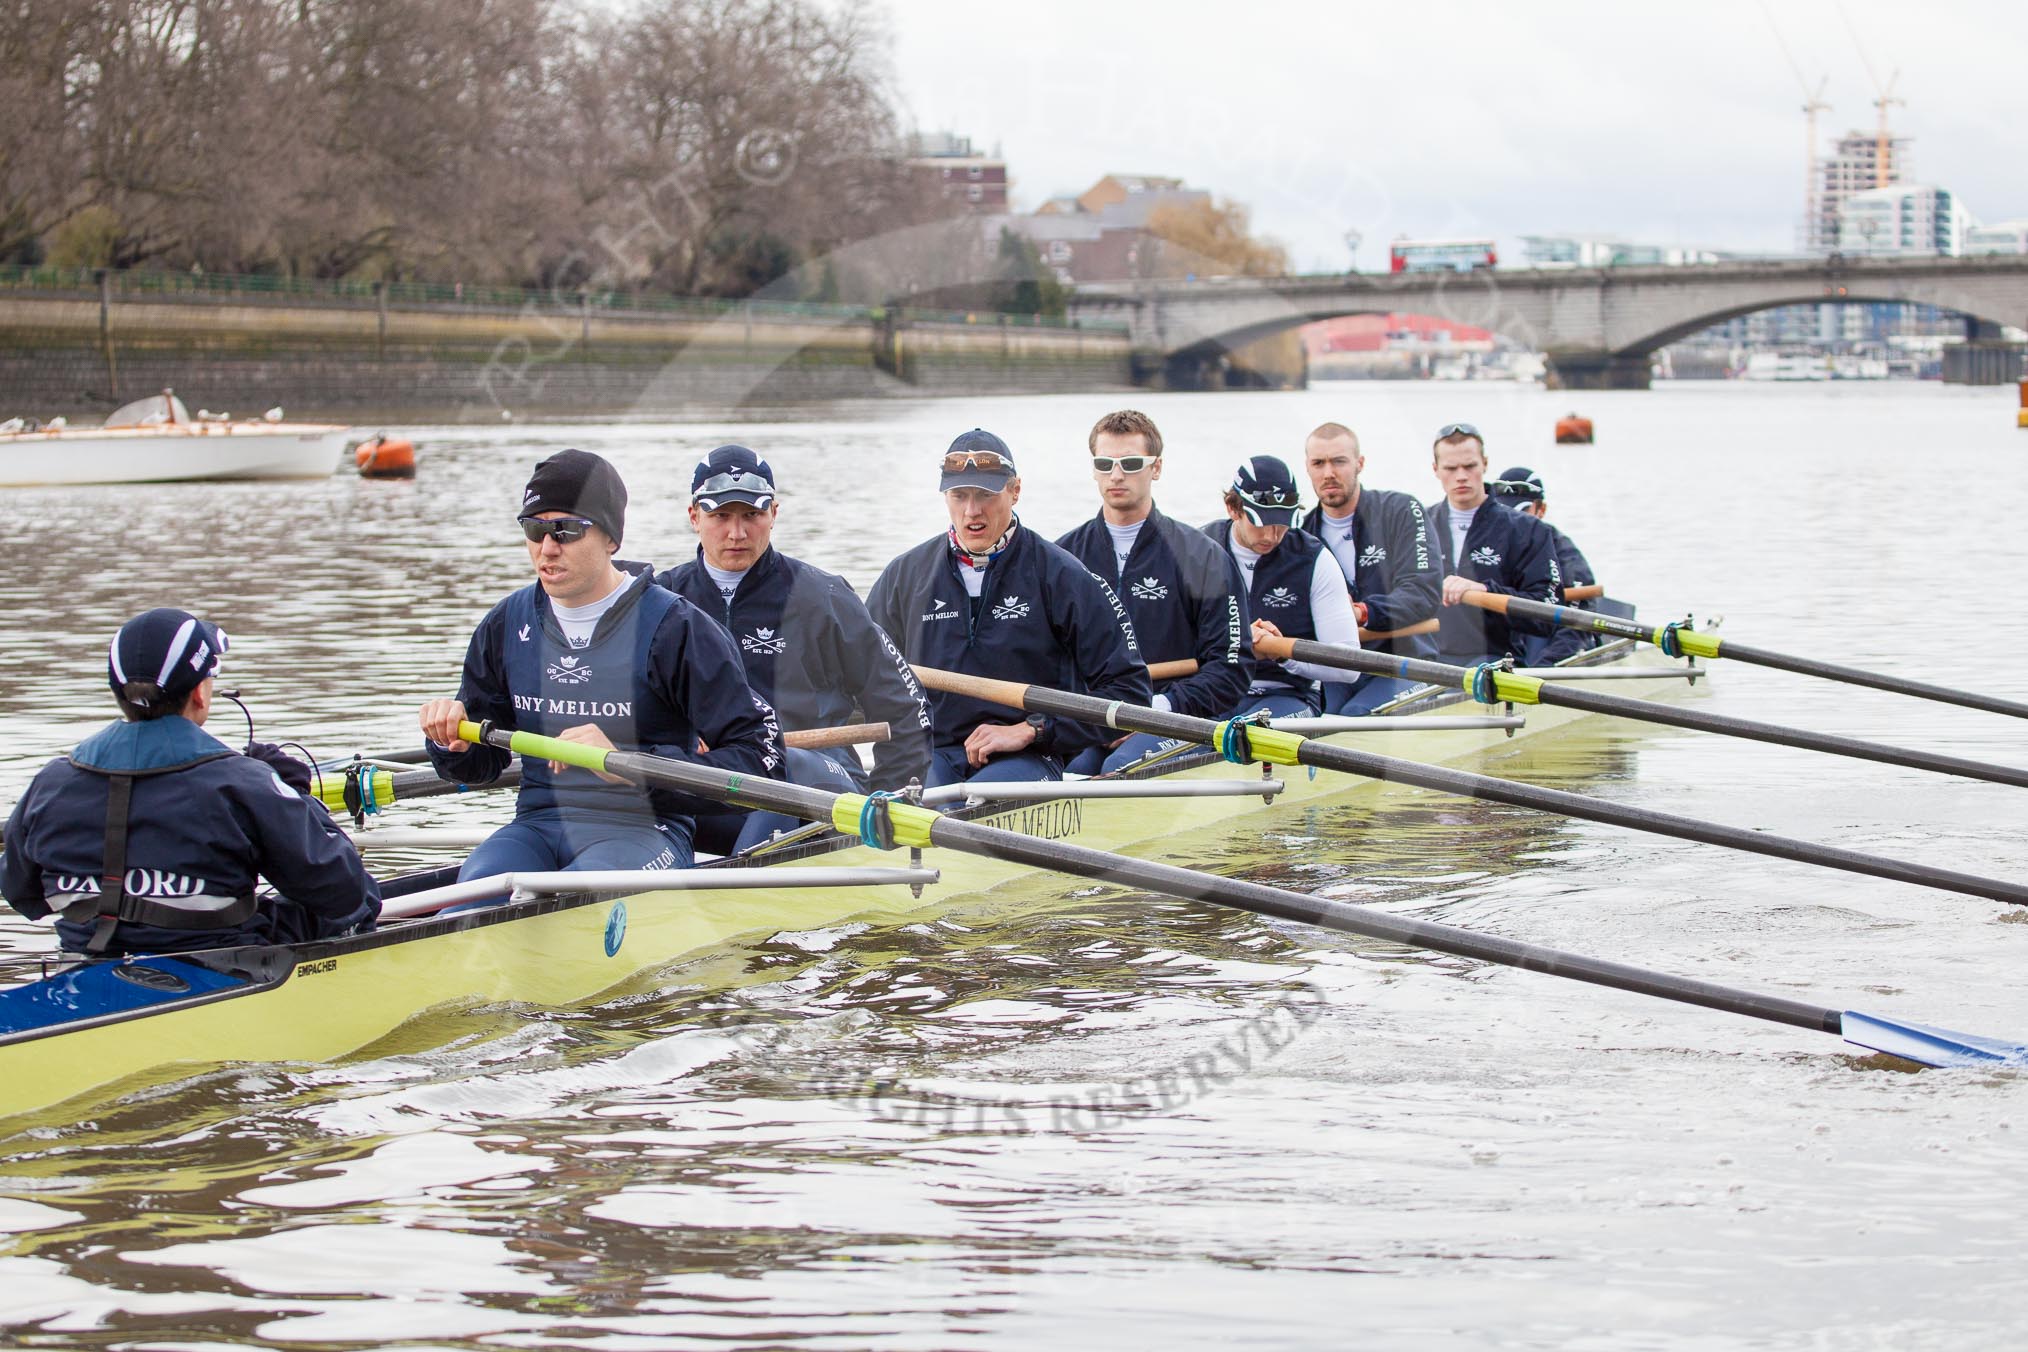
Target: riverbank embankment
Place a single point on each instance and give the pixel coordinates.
(78, 345)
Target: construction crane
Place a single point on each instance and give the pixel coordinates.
(1883, 99)
(1884, 151)
(1813, 103)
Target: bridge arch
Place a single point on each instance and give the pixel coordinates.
(1598, 325)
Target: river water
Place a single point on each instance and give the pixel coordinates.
(1369, 1148)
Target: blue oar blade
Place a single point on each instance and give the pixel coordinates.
(1930, 1046)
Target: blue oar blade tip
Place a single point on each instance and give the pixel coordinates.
(1927, 1045)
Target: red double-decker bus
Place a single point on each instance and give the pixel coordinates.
(1440, 255)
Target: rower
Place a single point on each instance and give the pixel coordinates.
(1382, 543)
(1183, 593)
(1295, 588)
(596, 653)
(809, 646)
(150, 836)
(990, 598)
(1487, 548)
(1521, 488)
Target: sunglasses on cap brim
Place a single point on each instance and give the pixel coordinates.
(957, 461)
(564, 529)
(744, 481)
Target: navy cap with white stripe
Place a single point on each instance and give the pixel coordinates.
(162, 655)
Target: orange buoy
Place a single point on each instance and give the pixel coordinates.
(1573, 431)
(385, 457)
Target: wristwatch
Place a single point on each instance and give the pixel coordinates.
(1037, 722)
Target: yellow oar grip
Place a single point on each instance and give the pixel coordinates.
(911, 823)
(1696, 644)
(1263, 743)
(544, 748)
(376, 789)
(1512, 689)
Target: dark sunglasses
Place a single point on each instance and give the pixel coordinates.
(989, 460)
(1449, 430)
(565, 529)
(1129, 464)
(1270, 495)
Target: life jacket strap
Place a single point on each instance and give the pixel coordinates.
(113, 904)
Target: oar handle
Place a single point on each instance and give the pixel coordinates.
(1488, 600)
(1428, 626)
(1278, 647)
(1169, 671)
(1590, 591)
(1012, 694)
(850, 734)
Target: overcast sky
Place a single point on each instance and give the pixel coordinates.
(1677, 123)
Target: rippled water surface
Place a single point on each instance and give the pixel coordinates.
(1071, 1116)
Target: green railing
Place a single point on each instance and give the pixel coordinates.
(254, 286)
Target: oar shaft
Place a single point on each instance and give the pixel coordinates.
(1532, 691)
(401, 787)
(1875, 680)
(1710, 645)
(1280, 903)
(1133, 718)
(1428, 626)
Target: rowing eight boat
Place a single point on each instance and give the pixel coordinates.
(560, 938)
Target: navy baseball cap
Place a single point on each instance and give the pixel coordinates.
(1518, 482)
(978, 459)
(1267, 491)
(732, 474)
(162, 655)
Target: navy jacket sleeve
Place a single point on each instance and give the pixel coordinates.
(1576, 568)
(1093, 626)
(300, 850)
(883, 605)
(483, 691)
(695, 666)
(20, 875)
(1224, 647)
(1418, 577)
(888, 691)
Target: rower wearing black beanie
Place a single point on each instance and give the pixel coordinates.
(594, 652)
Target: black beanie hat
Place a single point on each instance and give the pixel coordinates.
(581, 483)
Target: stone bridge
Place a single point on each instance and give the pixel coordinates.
(1598, 327)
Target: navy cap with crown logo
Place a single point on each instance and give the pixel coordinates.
(977, 459)
(1520, 483)
(732, 474)
(1267, 491)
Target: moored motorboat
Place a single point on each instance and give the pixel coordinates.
(155, 440)
(569, 937)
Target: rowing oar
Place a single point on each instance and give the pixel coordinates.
(372, 788)
(1490, 685)
(1243, 742)
(1679, 639)
(888, 823)
(1589, 591)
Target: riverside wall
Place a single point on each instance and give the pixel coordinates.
(79, 354)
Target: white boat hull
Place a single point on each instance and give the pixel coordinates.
(134, 455)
